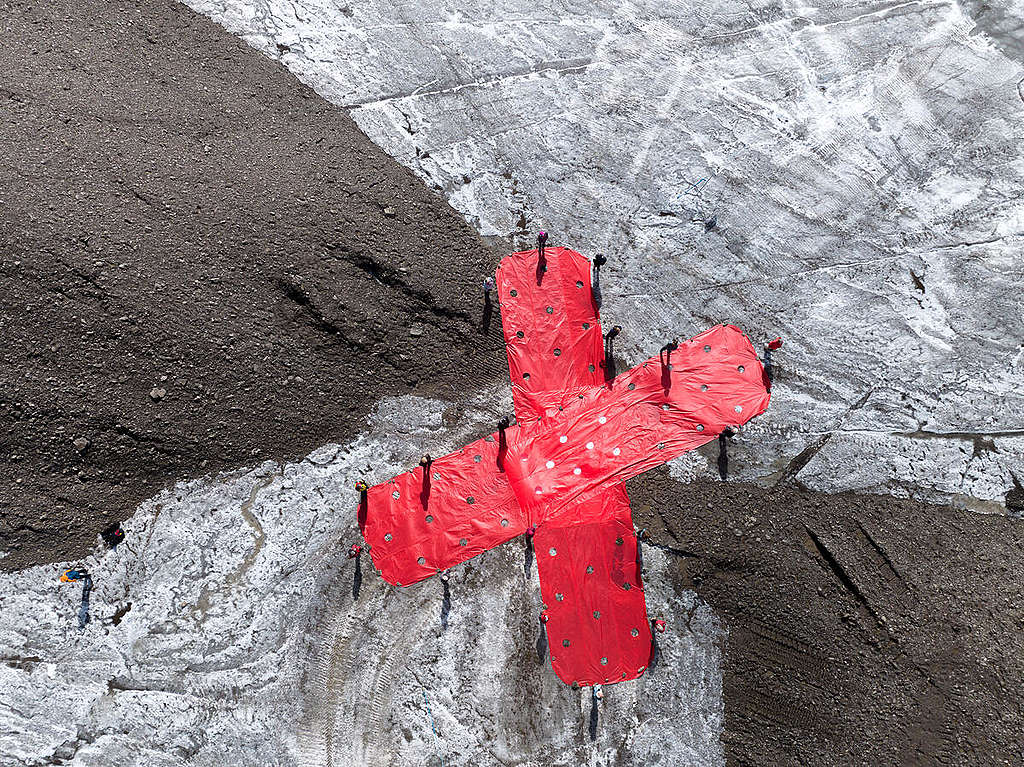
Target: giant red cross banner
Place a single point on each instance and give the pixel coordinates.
(579, 435)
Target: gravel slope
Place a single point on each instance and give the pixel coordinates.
(202, 264)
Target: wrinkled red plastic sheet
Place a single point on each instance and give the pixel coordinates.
(577, 439)
(552, 331)
(590, 582)
(607, 435)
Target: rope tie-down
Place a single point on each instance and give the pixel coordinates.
(558, 472)
(433, 729)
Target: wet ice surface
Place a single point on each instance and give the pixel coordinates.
(223, 632)
(862, 163)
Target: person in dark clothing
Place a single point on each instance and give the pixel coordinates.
(362, 488)
(446, 600)
(425, 463)
(609, 352)
(657, 627)
(112, 535)
(528, 554)
(357, 579)
(83, 611)
(595, 288)
(502, 444)
(593, 713)
(723, 451)
(773, 345)
(74, 574)
(665, 357)
(542, 638)
(542, 261)
(80, 574)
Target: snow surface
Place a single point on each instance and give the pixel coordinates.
(241, 643)
(863, 162)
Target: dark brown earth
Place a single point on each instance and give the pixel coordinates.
(861, 630)
(203, 264)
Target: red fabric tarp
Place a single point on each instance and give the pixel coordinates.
(577, 439)
(590, 584)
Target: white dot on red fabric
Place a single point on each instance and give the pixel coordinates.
(616, 451)
(602, 419)
(539, 491)
(738, 408)
(563, 439)
(577, 470)
(552, 551)
(590, 446)
(550, 464)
